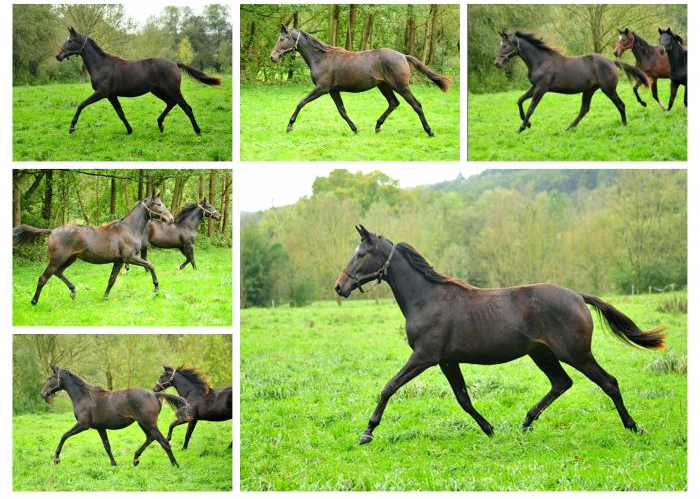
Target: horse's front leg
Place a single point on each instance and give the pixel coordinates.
(113, 277)
(311, 96)
(78, 428)
(135, 260)
(533, 104)
(655, 93)
(175, 423)
(190, 429)
(118, 108)
(97, 96)
(108, 448)
(522, 99)
(674, 90)
(416, 364)
(341, 109)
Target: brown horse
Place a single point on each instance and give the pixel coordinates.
(117, 243)
(95, 407)
(113, 77)
(335, 70)
(449, 321)
(648, 58)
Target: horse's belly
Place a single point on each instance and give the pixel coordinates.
(113, 424)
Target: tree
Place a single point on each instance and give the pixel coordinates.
(184, 51)
(352, 14)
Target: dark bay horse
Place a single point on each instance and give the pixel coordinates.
(648, 58)
(449, 322)
(206, 403)
(335, 70)
(181, 233)
(551, 71)
(100, 409)
(116, 242)
(113, 77)
(672, 45)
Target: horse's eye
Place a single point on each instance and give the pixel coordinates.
(361, 254)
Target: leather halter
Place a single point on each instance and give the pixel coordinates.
(378, 274)
(507, 57)
(292, 48)
(210, 213)
(151, 213)
(631, 45)
(168, 383)
(80, 50)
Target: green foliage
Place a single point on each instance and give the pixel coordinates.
(184, 52)
(41, 117)
(651, 134)
(310, 378)
(320, 134)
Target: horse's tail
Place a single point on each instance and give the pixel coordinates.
(26, 233)
(183, 410)
(623, 327)
(200, 75)
(633, 72)
(440, 80)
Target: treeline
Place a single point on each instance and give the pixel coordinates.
(113, 361)
(203, 40)
(429, 32)
(623, 232)
(54, 197)
(575, 29)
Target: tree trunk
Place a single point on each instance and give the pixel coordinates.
(295, 25)
(335, 21)
(433, 35)
(410, 39)
(367, 32)
(424, 49)
(37, 180)
(201, 187)
(126, 195)
(113, 198)
(352, 14)
(212, 198)
(16, 198)
(140, 193)
(48, 196)
(226, 193)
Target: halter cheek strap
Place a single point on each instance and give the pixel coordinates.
(168, 383)
(378, 275)
(151, 213)
(294, 47)
(210, 213)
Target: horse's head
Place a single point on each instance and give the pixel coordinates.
(624, 42)
(165, 380)
(667, 39)
(156, 209)
(53, 383)
(509, 48)
(209, 209)
(366, 264)
(74, 45)
(288, 41)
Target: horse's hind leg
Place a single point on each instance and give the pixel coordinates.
(113, 277)
(311, 96)
(585, 106)
(140, 450)
(188, 111)
(188, 251)
(454, 376)
(393, 102)
(548, 363)
(612, 95)
(411, 99)
(169, 104)
(341, 109)
(59, 274)
(118, 108)
(588, 366)
(158, 436)
(45, 276)
(108, 448)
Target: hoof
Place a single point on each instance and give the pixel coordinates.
(128, 132)
(156, 291)
(160, 127)
(33, 303)
(105, 296)
(644, 104)
(56, 460)
(377, 130)
(529, 124)
(71, 130)
(136, 461)
(365, 438)
(289, 128)
(72, 295)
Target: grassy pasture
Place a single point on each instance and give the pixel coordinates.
(650, 135)
(310, 378)
(187, 298)
(84, 466)
(41, 116)
(320, 134)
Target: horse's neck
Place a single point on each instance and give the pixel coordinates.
(185, 388)
(74, 390)
(311, 56)
(532, 56)
(92, 58)
(193, 220)
(408, 285)
(675, 56)
(641, 49)
(137, 219)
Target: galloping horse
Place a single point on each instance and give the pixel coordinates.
(114, 77)
(95, 407)
(116, 242)
(672, 45)
(551, 71)
(335, 70)
(449, 321)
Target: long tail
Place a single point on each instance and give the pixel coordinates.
(26, 234)
(633, 72)
(183, 411)
(440, 80)
(623, 327)
(200, 75)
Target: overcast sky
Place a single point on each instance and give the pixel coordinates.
(268, 185)
(141, 11)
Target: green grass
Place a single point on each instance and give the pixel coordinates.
(84, 466)
(650, 135)
(187, 298)
(42, 114)
(310, 378)
(320, 134)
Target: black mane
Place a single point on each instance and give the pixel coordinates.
(196, 377)
(420, 264)
(185, 212)
(84, 385)
(536, 42)
(318, 45)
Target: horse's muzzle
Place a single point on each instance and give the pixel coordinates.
(60, 56)
(498, 63)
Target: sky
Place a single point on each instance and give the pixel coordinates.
(141, 11)
(268, 185)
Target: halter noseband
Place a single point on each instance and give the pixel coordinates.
(80, 50)
(513, 52)
(210, 213)
(625, 47)
(151, 213)
(168, 383)
(294, 47)
(378, 275)
(58, 385)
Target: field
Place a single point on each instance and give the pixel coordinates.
(84, 466)
(42, 114)
(650, 135)
(310, 378)
(187, 298)
(320, 134)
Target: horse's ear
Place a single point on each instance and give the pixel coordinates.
(54, 368)
(204, 199)
(364, 232)
(661, 32)
(283, 29)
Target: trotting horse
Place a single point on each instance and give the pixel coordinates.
(181, 233)
(100, 409)
(648, 58)
(335, 70)
(206, 403)
(113, 77)
(551, 71)
(117, 242)
(449, 321)
(672, 45)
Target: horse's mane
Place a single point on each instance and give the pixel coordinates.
(196, 377)
(94, 44)
(317, 44)
(536, 42)
(644, 45)
(84, 385)
(185, 212)
(420, 264)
